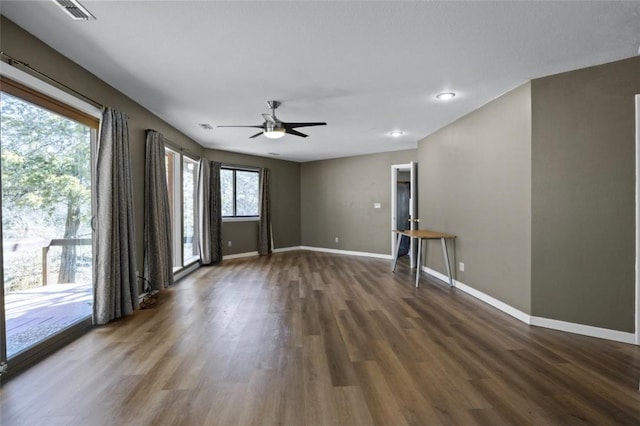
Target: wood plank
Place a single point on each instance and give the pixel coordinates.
(307, 338)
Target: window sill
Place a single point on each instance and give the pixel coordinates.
(240, 219)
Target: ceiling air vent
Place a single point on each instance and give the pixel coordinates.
(206, 126)
(75, 10)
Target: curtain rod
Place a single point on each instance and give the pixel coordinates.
(15, 63)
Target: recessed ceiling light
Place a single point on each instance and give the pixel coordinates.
(396, 133)
(445, 96)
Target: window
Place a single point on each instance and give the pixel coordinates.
(182, 178)
(240, 192)
(46, 149)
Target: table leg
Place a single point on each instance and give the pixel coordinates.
(419, 261)
(446, 260)
(395, 258)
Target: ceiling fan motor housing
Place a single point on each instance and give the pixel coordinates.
(273, 127)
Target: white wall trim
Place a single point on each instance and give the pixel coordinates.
(637, 334)
(585, 330)
(255, 253)
(569, 327)
(240, 255)
(395, 168)
(348, 252)
(309, 248)
(490, 300)
(283, 249)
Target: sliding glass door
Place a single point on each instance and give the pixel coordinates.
(46, 220)
(182, 179)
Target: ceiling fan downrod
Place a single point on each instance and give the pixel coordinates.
(273, 105)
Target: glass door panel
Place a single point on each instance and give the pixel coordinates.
(189, 181)
(46, 222)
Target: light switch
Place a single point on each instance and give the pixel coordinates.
(376, 205)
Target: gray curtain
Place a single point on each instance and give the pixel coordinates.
(158, 261)
(216, 213)
(210, 212)
(116, 289)
(204, 211)
(264, 224)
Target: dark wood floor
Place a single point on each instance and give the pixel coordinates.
(304, 338)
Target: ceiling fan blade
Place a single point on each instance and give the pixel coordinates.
(257, 126)
(293, 125)
(255, 136)
(269, 118)
(295, 132)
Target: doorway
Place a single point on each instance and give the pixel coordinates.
(404, 207)
(46, 211)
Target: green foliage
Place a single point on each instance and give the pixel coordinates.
(46, 174)
(45, 157)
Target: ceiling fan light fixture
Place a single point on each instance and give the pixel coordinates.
(274, 133)
(445, 96)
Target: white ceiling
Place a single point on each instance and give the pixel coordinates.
(365, 68)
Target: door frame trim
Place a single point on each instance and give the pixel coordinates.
(637, 277)
(395, 168)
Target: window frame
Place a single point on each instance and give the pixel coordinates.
(235, 217)
(186, 262)
(30, 89)
(174, 176)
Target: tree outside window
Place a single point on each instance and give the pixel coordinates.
(240, 193)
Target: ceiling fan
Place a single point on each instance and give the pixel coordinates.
(273, 128)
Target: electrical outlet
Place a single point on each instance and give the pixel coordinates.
(337, 240)
(461, 267)
(229, 243)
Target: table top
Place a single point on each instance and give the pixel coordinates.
(425, 234)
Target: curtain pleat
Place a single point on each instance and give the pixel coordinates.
(158, 259)
(264, 224)
(216, 213)
(115, 282)
(204, 211)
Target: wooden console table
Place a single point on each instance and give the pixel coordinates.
(422, 235)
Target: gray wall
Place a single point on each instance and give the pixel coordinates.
(338, 197)
(475, 182)
(583, 152)
(23, 46)
(285, 204)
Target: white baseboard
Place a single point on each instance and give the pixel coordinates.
(255, 253)
(585, 330)
(309, 248)
(569, 327)
(240, 255)
(348, 252)
(283, 249)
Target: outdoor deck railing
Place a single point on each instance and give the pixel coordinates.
(58, 242)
